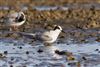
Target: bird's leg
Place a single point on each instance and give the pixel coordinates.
(13, 28)
(16, 28)
(47, 44)
(10, 29)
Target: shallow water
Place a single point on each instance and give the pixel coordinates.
(23, 54)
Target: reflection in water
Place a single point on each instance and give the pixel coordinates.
(47, 57)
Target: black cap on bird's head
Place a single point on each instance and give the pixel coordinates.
(57, 27)
(21, 17)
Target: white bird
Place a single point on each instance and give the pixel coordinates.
(52, 35)
(15, 19)
(46, 37)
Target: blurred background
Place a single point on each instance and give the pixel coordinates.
(70, 14)
(52, 11)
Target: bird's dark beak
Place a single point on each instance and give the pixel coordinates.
(63, 31)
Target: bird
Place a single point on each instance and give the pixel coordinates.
(47, 37)
(52, 35)
(14, 20)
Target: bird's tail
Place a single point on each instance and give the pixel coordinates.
(27, 35)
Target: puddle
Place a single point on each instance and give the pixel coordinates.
(41, 8)
(63, 7)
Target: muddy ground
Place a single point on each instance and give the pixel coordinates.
(80, 16)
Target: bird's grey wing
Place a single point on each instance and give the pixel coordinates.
(46, 38)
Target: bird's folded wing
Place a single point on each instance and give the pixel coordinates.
(46, 38)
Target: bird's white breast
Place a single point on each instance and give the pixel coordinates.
(52, 35)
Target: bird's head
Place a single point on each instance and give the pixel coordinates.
(21, 17)
(21, 14)
(57, 27)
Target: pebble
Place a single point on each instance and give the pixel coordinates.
(20, 47)
(6, 52)
(27, 52)
(60, 52)
(12, 58)
(11, 65)
(40, 51)
(84, 58)
(72, 64)
(97, 50)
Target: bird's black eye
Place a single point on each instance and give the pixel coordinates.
(56, 28)
(21, 18)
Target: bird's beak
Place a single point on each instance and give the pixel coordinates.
(63, 31)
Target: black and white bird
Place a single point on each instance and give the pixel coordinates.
(14, 19)
(47, 37)
(52, 35)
